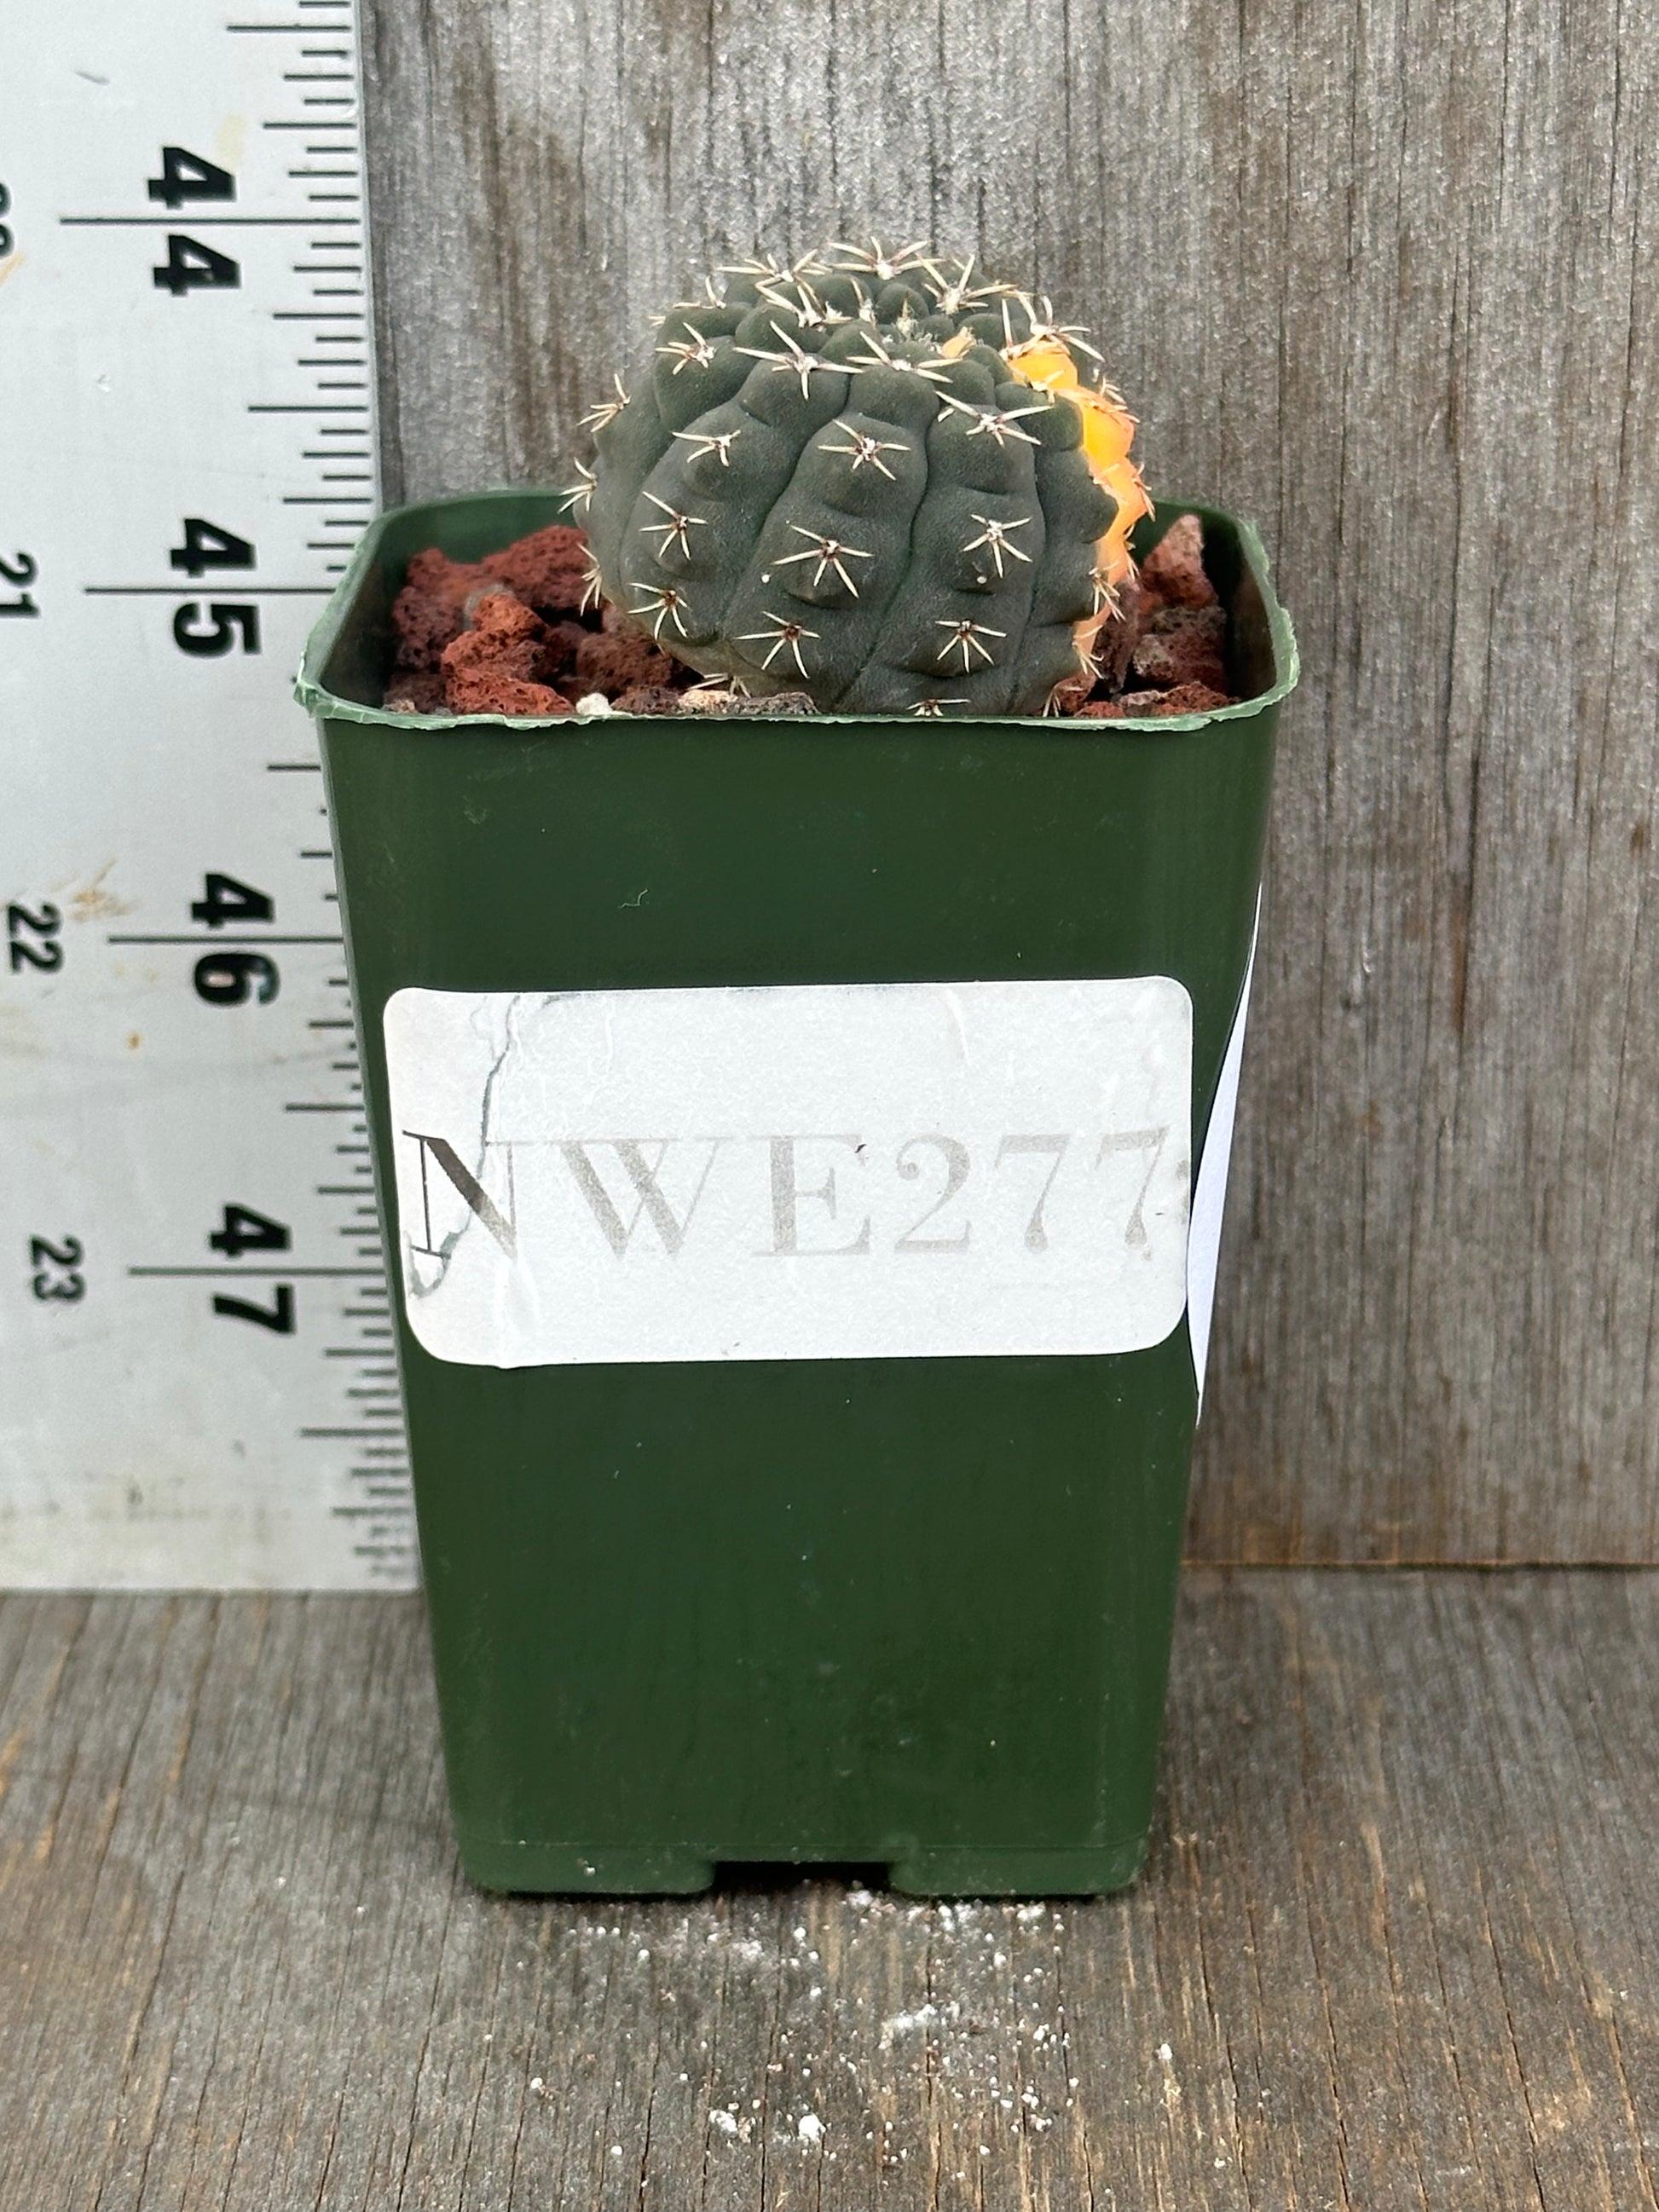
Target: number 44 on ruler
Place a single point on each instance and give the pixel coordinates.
(200, 1388)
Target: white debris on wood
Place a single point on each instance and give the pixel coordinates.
(905, 2023)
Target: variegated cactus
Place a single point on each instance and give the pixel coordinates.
(871, 478)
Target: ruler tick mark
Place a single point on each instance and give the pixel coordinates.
(219, 943)
(200, 221)
(193, 591)
(229, 1268)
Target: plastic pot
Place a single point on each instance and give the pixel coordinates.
(772, 1545)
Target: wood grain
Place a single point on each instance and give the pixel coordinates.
(1397, 1947)
(1382, 277)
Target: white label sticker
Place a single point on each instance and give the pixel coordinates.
(818, 1171)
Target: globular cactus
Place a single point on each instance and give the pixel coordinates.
(871, 478)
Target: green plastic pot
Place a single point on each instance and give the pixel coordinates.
(912, 1612)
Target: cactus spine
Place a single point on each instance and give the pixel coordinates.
(868, 477)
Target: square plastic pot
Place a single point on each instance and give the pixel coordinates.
(908, 1612)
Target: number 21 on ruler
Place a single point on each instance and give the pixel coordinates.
(20, 569)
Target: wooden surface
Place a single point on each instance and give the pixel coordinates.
(1396, 1950)
(1382, 277)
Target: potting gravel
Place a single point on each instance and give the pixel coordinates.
(509, 636)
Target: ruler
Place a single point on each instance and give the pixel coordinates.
(200, 1386)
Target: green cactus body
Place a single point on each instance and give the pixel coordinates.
(835, 481)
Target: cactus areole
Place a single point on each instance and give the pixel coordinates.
(870, 477)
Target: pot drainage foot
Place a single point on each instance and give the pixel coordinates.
(970, 1873)
(574, 1871)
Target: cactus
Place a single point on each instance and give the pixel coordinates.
(869, 477)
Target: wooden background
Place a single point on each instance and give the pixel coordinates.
(1394, 1951)
(1382, 277)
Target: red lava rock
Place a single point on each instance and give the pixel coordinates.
(1183, 645)
(565, 640)
(475, 599)
(649, 699)
(1131, 702)
(1116, 639)
(487, 691)
(417, 691)
(427, 613)
(1185, 699)
(497, 668)
(506, 636)
(548, 570)
(502, 614)
(1172, 575)
(739, 709)
(1070, 695)
(615, 662)
(1194, 699)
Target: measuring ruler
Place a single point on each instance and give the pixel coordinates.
(199, 1379)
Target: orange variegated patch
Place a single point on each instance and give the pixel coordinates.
(1109, 429)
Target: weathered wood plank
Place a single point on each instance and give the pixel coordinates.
(1382, 276)
(1397, 1946)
